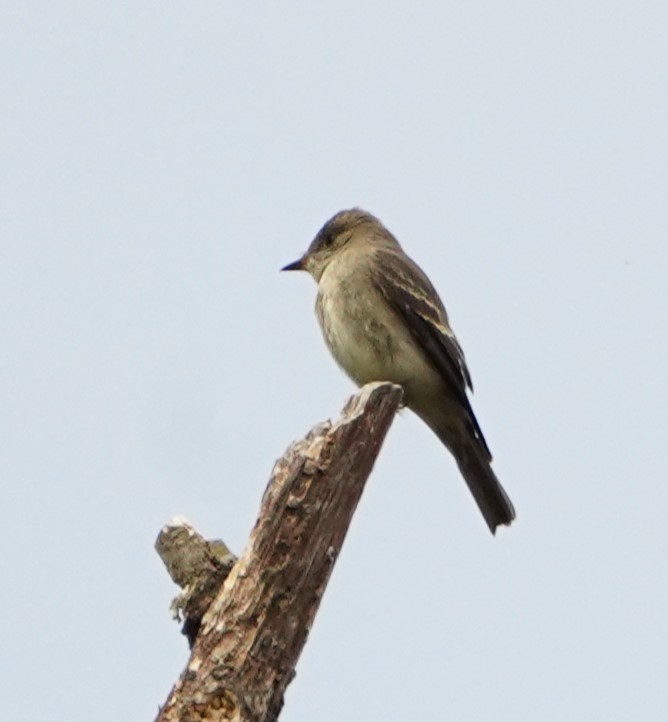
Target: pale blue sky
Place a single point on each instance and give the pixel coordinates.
(159, 162)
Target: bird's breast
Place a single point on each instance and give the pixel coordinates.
(363, 334)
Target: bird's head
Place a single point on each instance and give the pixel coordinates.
(338, 233)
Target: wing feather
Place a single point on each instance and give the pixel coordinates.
(410, 294)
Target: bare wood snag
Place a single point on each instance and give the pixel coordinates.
(245, 646)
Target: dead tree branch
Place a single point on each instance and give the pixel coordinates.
(248, 643)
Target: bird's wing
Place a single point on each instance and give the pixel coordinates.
(410, 294)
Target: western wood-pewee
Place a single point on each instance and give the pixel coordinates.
(383, 321)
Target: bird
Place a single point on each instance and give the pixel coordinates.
(383, 320)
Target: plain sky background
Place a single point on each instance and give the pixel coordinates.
(159, 162)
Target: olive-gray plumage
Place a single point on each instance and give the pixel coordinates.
(383, 321)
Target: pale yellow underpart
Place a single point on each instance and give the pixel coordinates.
(363, 334)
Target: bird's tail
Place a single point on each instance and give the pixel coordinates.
(494, 503)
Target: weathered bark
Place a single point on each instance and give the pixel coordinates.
(252, 635)
(198, 566)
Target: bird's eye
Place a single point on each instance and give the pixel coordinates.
(329, 239)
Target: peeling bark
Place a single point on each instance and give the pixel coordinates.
(250, 639)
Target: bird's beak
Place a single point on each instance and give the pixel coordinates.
(294, 266)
